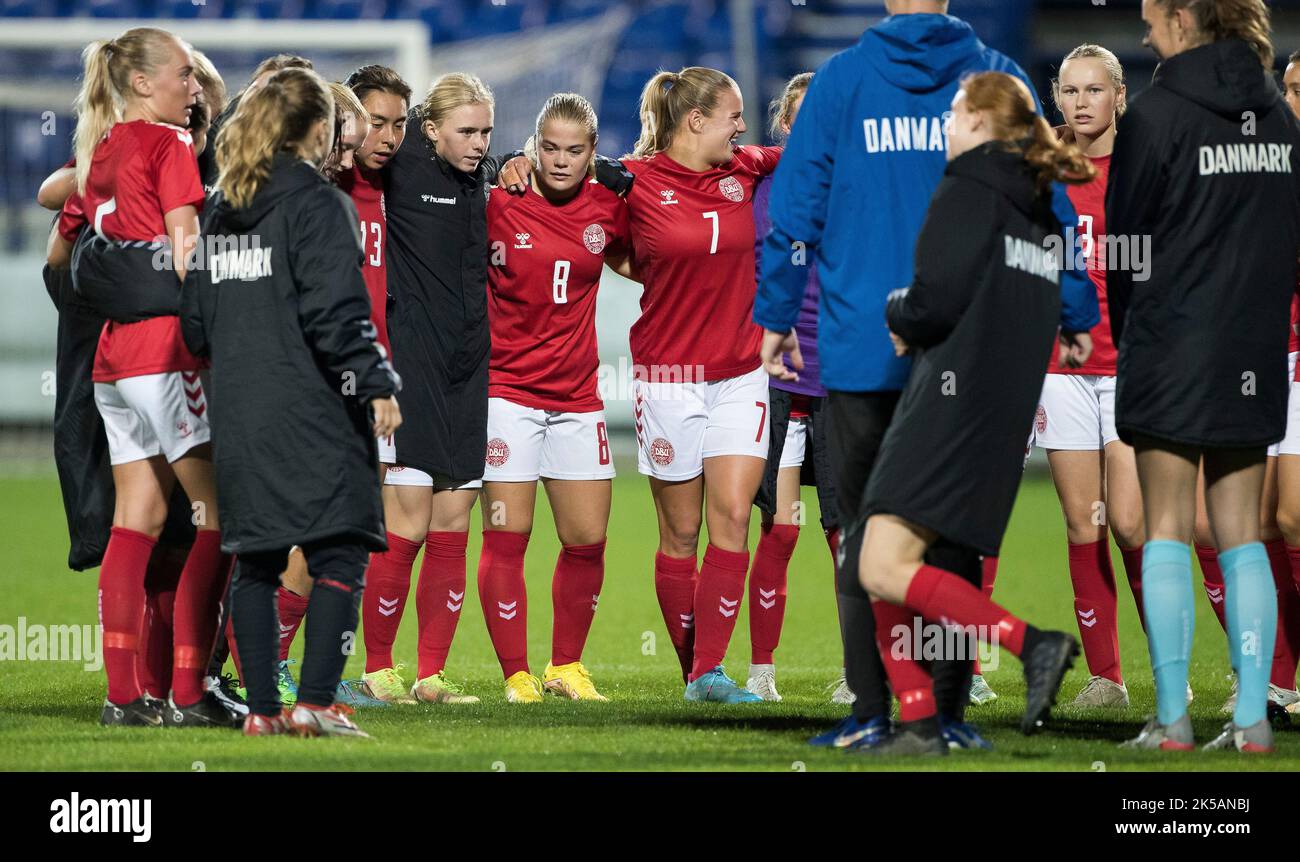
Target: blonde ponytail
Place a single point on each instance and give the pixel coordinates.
(1054, 159)
(272, 118)
(666, 100)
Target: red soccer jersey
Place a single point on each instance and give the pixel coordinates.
(140, 172)
(366, 188)
(693, 241)
(1089, 202)
(545, 265)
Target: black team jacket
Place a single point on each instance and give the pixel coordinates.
(294, 365)
(1205, 164)
(981, 317)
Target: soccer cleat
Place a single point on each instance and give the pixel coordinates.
(1256, 739)
(386, 684)
(1230, 705)
(267, 725)
(716, 687)
(207, 711)
(523, 687)
(1164, 737)
(140, 712)
(1283, 697)
(310, 720)
(1278, 717)
(352, 693)
(762, 682)
(436, 688)
(850, 732)
(907, 741)
(980, 691)
(284, 681)
(223, 688)
(1044, 665)
(1189, 694)
(840, 691)
(571, 680)
(1102, 692)
(960, 735)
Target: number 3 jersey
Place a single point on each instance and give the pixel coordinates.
(544, 266)
(366, 188)
(693, 237)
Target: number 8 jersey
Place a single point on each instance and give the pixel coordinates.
(544, 266)
(693, 240)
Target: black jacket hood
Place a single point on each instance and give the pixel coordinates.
(290, 175)
(1001, 169)
(1224, 77)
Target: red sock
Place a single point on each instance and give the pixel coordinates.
(675, 579)
(198, 610)
(504, 597)
(153, 666)
(292, 608)
(1213, 576)
(1293, 553)
(1133, 571)
(907, 677)
(717, 598)
(233, 647)
(833, 542)
(767, 583)
(1287, 643)
(944, 597)
(388, 581)
(575, 592)
(439, 595)
(988, 575)
(1095, 607)
(121, 606)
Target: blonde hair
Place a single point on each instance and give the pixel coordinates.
(1217, 20)
(345, 102)
(781, 110)
(452, 91)
(1005, 102)
(666, 100)
(214, 87)
(1109, 62)
(565, 108)
(272, 118)
(106, 85)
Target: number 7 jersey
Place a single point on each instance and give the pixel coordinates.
(693, 240)
(544, 267)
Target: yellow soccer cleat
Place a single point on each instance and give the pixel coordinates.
(523, 687)
(438, 689)
(386, 684)
(572, 681)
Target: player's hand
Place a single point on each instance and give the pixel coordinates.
(900, 346)
(775, 344)
(387, 415)
(1075, 349)
(515, 174)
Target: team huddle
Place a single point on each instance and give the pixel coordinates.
(303, 330)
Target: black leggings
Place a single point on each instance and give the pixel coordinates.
(337, 568)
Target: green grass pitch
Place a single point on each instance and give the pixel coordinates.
(49, 710)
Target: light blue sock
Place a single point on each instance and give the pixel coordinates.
(1167, 599)
(1250, 610)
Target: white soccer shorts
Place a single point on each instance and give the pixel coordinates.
(153, 414)
(526, 443)
(795, 447)
(1290, 444)
(1076, 412)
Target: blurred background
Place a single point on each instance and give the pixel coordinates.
(524, 49)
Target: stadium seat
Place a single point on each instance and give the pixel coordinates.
(29, 8)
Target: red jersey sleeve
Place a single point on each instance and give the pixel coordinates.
(71, 217)
(176, 172)
(761, 160)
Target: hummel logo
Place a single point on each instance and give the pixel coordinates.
(434, 199)
(387, 607)
(723, 608)
(767, 598)
(285, 630)
(1088, 618)
(503, 607)
(521, 240)
(688, 620)
(454, 600)
(667, 195)
(595, 600)
(1215, 594)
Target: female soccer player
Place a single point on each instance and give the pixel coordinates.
(1221, 211)
(796, 448)
(982, 313)
(137, 179)
(545, 417)
(1075, 422)
(298, 467)
(701, 393)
